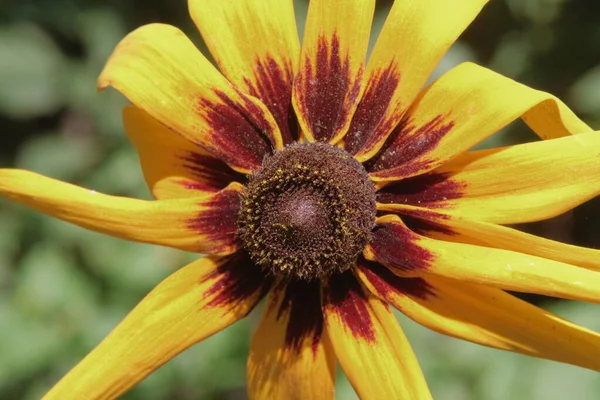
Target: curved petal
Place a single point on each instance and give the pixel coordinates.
(163, 73)
(415, 36)
(328, 85)
(173, 166)
(256, 46)
(370, 346)
(521, 183)
(457, 111)
(440, 225)
(504, 269)
(204, 224)
(290, 357)
(486, 316)
(192, 304)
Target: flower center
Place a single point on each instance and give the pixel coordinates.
(308, 211)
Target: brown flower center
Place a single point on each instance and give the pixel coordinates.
(308, 212)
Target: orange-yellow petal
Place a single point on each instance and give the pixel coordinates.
(369, 344)
(192, 304)
(415, 36)
(290, 356)
(205, 224)
(161, 71)
(486, 316)
(329, 81)
(442, 225)
(256, 46)
(457, 111)
(173, 166)
(409, 254)
(521, 183)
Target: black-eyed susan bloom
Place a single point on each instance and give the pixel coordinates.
(335, 188)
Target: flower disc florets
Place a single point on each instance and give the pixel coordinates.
(308, 212)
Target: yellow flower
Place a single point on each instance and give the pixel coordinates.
(380, 203)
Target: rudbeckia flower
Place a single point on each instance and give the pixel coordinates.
(336, 189)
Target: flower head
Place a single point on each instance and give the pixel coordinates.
(334, 188)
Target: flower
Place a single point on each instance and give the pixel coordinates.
(378, 203)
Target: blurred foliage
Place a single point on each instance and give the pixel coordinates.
(62, 289)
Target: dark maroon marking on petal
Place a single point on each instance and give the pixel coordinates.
(369, 123)
(423, 221)
(324, 94)
(344, 296)
(386, 282)
(430, 190)
(194, 185)
(302, 302)
(394, 245)
(211, 174)
(218, 218)
(237, 279)
(407, 143)
(273, 86)
(240, 132)
(424, 225)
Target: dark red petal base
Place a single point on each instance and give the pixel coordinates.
(386, 282)
(403, 152)
(302, 302)
(210, 173)
(344, 296)
(241, 135)
(238, 279)
(273, 86)
(218, 222)
(369, 124)
(430, 190)
(323, 95)
(394, 245)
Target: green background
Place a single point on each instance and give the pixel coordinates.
(63, 288)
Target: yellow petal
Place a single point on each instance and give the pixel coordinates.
(415, 36)
(187, 307)
(328, 85)
(255, 44)
(463, 107)
(521, 183)
(290, 357)
(409, 254)
(173, 166)
(486, 316)
(369, 344)
(204, 224)
(442, 225)
(163, 73)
